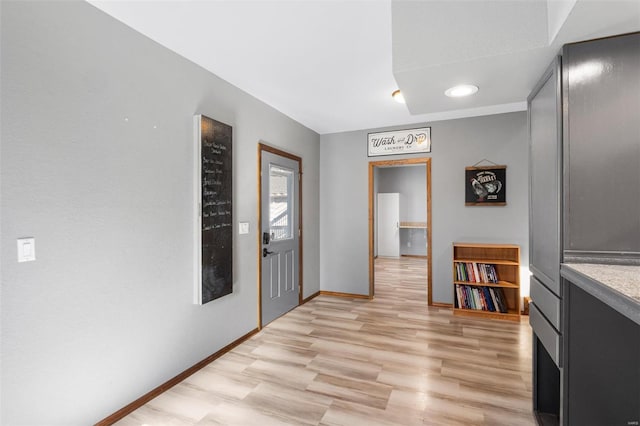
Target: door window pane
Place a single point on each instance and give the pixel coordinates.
(280, 202)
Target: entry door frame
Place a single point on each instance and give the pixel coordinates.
(261, 148)
(406, 162)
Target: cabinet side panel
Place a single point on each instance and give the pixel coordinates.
(544, 119)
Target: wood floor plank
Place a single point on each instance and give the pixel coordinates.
(226, 384)
(348, 361)
(240, 414)
(302, 407)
(343, 413)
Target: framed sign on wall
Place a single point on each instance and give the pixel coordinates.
(410, 141)
(485, 186)
(213, 189)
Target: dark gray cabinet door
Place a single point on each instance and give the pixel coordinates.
(602, 369)
(545, 156)
(601, 85)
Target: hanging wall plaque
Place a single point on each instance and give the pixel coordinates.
(485, 186)
(410, 141)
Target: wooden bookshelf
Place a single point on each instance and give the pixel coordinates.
(495, 267)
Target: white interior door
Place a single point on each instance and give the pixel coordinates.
(389, 224)
(280, 192)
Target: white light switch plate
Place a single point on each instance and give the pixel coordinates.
(243, 227)
(26, 249)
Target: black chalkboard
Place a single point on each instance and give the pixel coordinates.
(216, 209)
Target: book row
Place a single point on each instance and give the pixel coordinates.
(483, 298)
(476, 272)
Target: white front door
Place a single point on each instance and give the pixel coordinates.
(389, 224)
(279, 195)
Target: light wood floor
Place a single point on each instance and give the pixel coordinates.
(339, 361)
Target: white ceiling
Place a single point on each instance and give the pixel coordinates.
(328, 64)
(501, 46)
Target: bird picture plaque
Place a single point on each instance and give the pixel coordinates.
(486, 186)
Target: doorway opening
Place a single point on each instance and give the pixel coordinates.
(279, 233)
(410, 228)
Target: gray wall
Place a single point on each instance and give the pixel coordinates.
(105, 313)
(410, 181)
(455, 144)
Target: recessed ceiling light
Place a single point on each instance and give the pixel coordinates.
(461, 90)
(397, 96)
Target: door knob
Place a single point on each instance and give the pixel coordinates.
(266, 252)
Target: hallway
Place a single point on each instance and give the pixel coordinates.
(342, 361)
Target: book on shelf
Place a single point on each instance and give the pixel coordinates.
(487, 298)
(494, 298)
(476, 299)
(476, 272)
(491, 299)
(501, 299)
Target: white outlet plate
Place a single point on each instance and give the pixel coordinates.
(243, 227)
(26, 249)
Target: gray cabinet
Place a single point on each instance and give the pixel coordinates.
(545, 157)
(603, 355)
(584, 135)
(547, 302)
(602, 147)
(545, 240)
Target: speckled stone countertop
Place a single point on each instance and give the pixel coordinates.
(616, 285)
